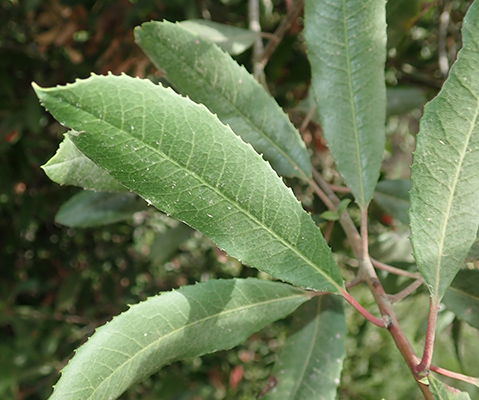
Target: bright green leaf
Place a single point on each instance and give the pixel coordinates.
(183, 160)
(463, 296)
(201, 70)
(441, 391)
(334, 215)
(445, 183)
(393, 197)
(88, 209)
(69, 166)
(194, 320)
(346, 43)
(310, 364)
(230, 38)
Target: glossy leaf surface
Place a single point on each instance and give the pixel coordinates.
(463, 296)
(185, 323)
(445, 183)
(310, 363)
(201, 70)
(88, 209)
(230, 38)
(183, 160)
(69, 166)
(346, 43)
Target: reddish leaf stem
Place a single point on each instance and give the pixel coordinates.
(406, 291)
(365, 313)
(423, 368)
(394, 270)
(455, 375)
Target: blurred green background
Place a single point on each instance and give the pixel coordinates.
(57, 284)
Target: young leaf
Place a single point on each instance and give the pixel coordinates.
(392, 195)
(183, 160)
(310, 364)
(69, 166)
(230, 38)
(445, 183)
(441, 391)
(463, 297)
(346, 43)
(189, 322)
(205, 73)
(88, 209)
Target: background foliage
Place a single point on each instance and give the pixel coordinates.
(58, 284)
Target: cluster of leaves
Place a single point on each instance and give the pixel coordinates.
(288, 159)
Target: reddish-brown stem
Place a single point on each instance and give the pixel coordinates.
(455, 375)
(356, 281)
(423, 368)
(365, 313)
(394, 298)
(394, 270)
(328, 230)
(340, 189)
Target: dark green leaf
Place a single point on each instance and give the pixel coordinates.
(183, 160)
(201, 70)
(393, 197)
(194, 320)
(88, 209)
(463, 296)
(445, 183)
(400, 100)
(347, 50)
(310, 364)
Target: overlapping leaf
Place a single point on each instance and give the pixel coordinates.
(189, 322)
(393, 196)
(69, 166)
(180, 158)
(310, 364)
(201, 70)
(346, 43)
(441, 391)
(445, 183)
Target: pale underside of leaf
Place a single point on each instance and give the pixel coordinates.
(445, 183)
(441, 391)
(346, 43)
(309, 366)
(180, 158)
(201, 70)
(192, 321)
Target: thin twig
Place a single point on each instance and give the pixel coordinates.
(356, 281)
(394, 298)
(328, 230)
(281, 31)
(340, 189)
(258, 48)
(442, 49)
(393, 270)
(455, 375)
(365, 313)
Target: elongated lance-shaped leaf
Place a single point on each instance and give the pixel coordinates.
(445, 181)
(183, 160)
(69, 166)
(346, 41)
(310, 364)
(201, 70)
(194, 320)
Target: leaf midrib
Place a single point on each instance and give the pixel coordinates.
(239, 111)
(361, 199)
(190, 326)
(215, 189)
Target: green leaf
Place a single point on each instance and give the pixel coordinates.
(88, 209)
(393, 197)
(230, 38)
(463, 297)
(201, 70)
(310, 364)
(445, 183)
(189, 322)
(334, 215)
(183, 160)
(473, 254)
(165, 244)
(400, 100)
(69, 166)
(346, 43)
(441, 391)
